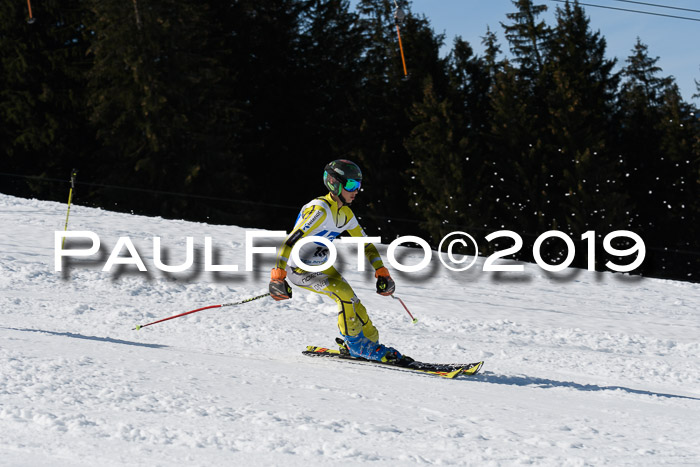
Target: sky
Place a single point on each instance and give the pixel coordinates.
(675, 41)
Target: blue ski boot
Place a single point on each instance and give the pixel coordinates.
(360, 346)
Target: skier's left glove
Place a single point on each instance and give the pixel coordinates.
(385, 284)
(279, 289)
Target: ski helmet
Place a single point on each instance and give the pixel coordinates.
(340, 174)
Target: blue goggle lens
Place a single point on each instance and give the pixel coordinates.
(352, 185)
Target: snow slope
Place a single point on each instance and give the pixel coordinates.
(581, 368)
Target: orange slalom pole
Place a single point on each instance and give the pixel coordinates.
(29, 6)
(403, 60)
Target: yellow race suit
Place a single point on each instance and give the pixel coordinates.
(323, 218)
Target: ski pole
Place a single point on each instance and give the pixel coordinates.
(139, 326)
(73, 174)
(405, 308)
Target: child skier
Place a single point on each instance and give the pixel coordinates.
(328, 217)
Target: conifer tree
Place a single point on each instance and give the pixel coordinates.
(517, 179)
(447, 146)
(326, 125)
(386, 101)
(586, 191)
(42, 78)
(156, 100)
(331, 47)
(640, 105)
(437, 147)
(528, 37)
(658, 145)
(680, 132)
(492, 53)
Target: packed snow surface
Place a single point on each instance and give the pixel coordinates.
(582, 368)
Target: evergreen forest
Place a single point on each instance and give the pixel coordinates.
(227, 112)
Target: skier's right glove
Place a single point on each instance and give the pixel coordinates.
(279, 289)
(385, 284)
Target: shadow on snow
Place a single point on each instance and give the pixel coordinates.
(91, 338)
(489, 377)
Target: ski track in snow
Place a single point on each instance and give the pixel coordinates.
(581, 368)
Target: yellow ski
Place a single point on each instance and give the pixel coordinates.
(448, 371)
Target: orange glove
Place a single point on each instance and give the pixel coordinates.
(278, 274)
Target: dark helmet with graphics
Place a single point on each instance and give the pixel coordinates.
(340, 174)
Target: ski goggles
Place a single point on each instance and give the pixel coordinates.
(352, 185)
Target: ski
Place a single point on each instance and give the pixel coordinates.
(449, 370)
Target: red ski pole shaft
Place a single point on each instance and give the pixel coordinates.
(139, 326)
(405, 308)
